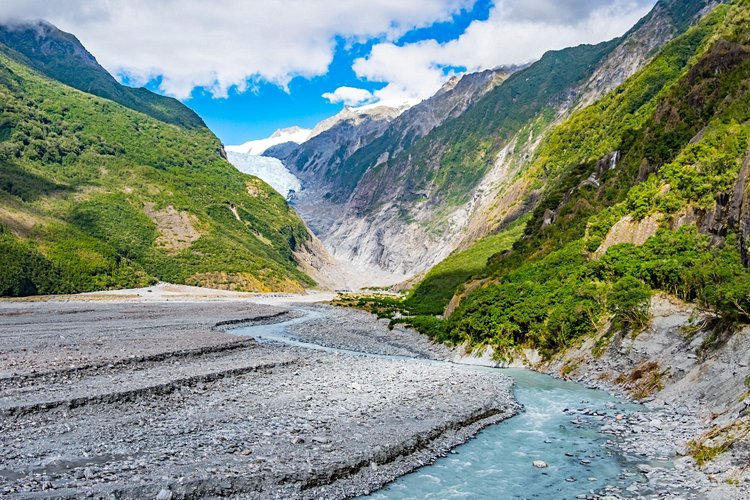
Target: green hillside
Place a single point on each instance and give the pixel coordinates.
(681, 130)
(95, 195)
(682, 127)
(61, 56)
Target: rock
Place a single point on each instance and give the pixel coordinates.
(164, 494)
(539, 464)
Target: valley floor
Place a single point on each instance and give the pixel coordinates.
(144, 394)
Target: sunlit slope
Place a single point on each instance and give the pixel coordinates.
(96, 195)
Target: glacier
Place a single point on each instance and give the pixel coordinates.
(271, 170)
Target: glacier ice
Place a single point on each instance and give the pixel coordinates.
(271, 170)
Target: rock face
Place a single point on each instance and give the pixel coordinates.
(446, 171)
(690, 369)
(627, 230)
(317, 162)
(345, 147)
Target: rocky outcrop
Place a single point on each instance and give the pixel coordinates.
(688, 366)
(318, 161)
(628, 230)
(739, 215)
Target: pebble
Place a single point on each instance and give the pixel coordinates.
(164, 494)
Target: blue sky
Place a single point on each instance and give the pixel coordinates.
(250, 67)
(259, 112)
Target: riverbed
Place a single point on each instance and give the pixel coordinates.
(558, 430)
(195, 398)
(137, 399)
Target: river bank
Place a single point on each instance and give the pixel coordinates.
(694, 392)
(150, 395)
(155, 399)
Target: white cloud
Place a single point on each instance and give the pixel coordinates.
(225, 43)
(239, 43)
(350, 96)
(517, 31)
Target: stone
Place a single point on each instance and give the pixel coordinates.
(164, 494)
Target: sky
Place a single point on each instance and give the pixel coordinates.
(250, 67)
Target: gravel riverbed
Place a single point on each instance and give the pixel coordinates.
(132, 399)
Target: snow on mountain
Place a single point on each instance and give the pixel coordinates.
(357, 115)
(257, 147)
(271, 170)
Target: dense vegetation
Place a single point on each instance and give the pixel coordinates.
(432, 294)
(681, 127)
(95, 195)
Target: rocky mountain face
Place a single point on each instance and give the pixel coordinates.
(448, 170)
(317, 162)
(343, 148)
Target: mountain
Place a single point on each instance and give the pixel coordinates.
(99, 194)
(408, 200)
(293, 135)
(61, 56)
(333, 160)
(642, 192)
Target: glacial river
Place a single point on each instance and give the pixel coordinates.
(559, 426)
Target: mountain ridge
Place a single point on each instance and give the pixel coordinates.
(96, 195)
(62, 57)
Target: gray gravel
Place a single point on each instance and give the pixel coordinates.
(359, 331)
(105, 399)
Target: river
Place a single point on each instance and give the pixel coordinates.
(559, 426)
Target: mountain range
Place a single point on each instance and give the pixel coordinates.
(498, 170)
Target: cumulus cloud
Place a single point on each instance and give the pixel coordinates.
(225, 43)
(350, 96)
(517, 31)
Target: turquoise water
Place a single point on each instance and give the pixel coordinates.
(498, 462)
(559, 425)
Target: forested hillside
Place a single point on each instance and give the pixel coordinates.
(644, 191)
(96, 195)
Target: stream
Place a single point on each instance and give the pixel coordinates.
(559, 426)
